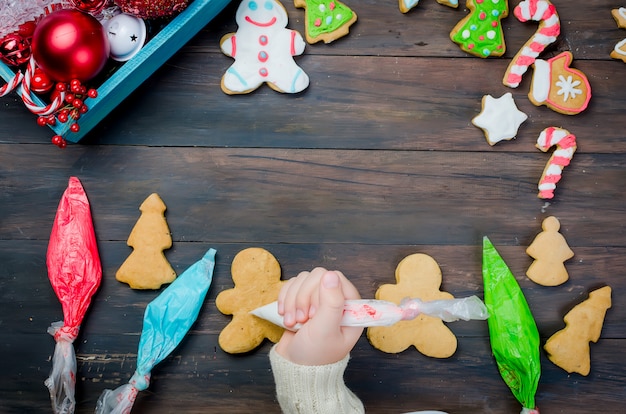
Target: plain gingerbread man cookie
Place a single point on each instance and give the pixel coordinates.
(417, 276)
(256, 274)
(569, 347)
(263, 49)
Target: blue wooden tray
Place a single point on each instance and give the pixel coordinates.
(135, 71)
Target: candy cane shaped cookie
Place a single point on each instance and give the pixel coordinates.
(565, 143)
(549, 29)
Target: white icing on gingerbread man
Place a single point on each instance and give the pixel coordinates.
(263, 49)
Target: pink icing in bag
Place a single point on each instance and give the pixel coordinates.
(75, 273)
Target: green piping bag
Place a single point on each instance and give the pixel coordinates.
(512, 330)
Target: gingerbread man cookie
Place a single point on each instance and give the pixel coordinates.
(263, 49)
(550, 251)
(417, 276)
(256, 274)
(569, 347)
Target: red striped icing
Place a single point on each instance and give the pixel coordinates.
(293, 43)
(536, 44)
(566, 141)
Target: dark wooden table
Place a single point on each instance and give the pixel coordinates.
(375, 161)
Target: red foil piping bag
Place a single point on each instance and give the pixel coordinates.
(75, 273)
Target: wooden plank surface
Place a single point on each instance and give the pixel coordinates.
(375, 161)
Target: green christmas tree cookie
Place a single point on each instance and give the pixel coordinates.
(480, 32)
(406, 5)
(326, 20)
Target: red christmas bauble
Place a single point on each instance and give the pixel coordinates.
(40, 83)
(14, 49)
(69, 44)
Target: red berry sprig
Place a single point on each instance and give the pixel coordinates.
(75, 95)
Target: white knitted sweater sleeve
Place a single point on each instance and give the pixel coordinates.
(303, 389)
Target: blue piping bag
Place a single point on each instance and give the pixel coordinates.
(167, 320)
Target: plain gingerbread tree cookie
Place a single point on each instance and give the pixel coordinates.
(417, 276)
(256, 274)
(550, 251)
(569, 347)
(146, 267)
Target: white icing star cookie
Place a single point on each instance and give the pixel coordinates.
(499, 119)
(619, 51)
(620, 17)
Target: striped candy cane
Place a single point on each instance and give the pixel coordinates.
(11, 85)
(549, 29)
(565, 147)
(14, 83)
(45, 110)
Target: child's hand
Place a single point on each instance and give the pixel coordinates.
(316, 300)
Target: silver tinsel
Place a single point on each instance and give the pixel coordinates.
(15, 12)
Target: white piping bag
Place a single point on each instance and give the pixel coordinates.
(373, 312)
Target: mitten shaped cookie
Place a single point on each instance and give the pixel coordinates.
(256, 274)
(558, 86)
(417, 276)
